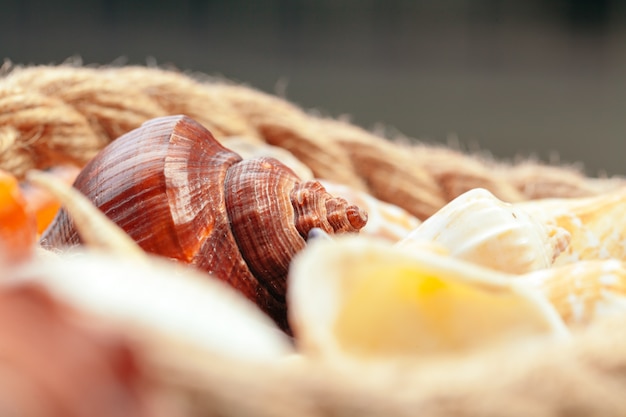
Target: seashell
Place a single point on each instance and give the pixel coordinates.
(366, 299)
(478, 227)
(583, 291)
(180, 194)
(43, 204)
(250, 149)
(160, 297)
(384, 220)
(55, 363)
(18, 226)
(93, 227)
(596, 224)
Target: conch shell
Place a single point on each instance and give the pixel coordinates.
(177, 192)
(366, 299)
(583, 291)
(480, 228)
(596, 224)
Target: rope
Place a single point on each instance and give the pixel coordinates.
(583, 376)
(64, 114)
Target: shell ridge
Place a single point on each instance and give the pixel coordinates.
(251, 202)
(192, 151)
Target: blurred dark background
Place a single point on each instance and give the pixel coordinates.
(516, 78)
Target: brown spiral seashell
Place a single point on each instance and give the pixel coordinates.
(180, 194)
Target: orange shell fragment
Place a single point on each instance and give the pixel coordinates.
(41, 202)
(18, 228)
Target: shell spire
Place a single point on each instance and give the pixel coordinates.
(271, 213)
(315, 207)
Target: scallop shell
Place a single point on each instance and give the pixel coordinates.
(364, 298)
(480, 228)
(584, 291)
(384, 220)
(596, 224)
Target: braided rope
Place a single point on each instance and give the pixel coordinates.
(65, 114)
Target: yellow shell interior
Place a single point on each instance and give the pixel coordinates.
(394, 303)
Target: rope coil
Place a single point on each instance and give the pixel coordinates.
(60, 114)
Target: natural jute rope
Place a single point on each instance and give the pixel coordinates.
(56, 114)
(583, 377)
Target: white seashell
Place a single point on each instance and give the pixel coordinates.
(384, 220)
(161, 297)
(596, 224)
(250, 148)
(583, 291)
(366, 299)
(480, 228)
